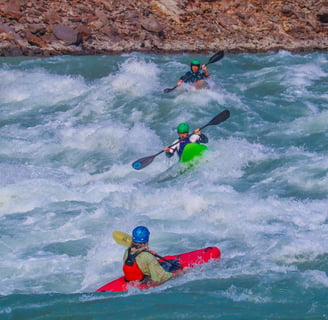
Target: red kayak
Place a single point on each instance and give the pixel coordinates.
(186, 260)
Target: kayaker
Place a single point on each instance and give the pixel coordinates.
(196, 73)
(184, 139)
(140, 264)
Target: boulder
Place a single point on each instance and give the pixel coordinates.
(84, 31)
(323, 15)
(10, 31)
(37, 28)
(151, 24)
(52, 17)
(67, 34)
(34, 40)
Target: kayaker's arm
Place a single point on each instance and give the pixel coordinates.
(207, 74)
(168, 152)
(157, 273)
(202, 138)
(184, 78)
(149, 265)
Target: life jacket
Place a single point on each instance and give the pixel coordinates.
(193, 76)
(183, 143)
(131, 269)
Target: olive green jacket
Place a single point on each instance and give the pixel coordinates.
(149, 265)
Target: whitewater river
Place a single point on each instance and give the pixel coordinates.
(70, 127)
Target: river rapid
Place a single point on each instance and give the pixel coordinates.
(70, 127)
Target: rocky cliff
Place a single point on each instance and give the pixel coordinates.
(45, 28)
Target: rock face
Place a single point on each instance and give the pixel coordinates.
(76, 27)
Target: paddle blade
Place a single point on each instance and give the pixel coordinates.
(223, 116)
(143, 162)
(216, 57)
(167, 90)
(122, 238)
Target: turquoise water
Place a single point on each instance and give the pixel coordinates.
(70, 127)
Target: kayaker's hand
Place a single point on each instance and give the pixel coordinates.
(205, 70)
(166, 149)
(179, 83)
(197, 131)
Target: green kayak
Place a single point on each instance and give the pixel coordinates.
(192, 151)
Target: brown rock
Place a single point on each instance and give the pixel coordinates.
(100, 14)
(52, 17)
(113, 26)
(323, 15)
(151, 24)
(107, 5)
(67, 34)
(287, 10)
(252, 21)
(4, 28)
(113, 34)
(11, 10)
(10, 32)
(84, 31)
(37, 28)
(226, 20)
(6, 36)
(97, 25)
(34, 40)
(10, 49)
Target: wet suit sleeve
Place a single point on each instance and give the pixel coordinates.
(199, 138)
(172, 149)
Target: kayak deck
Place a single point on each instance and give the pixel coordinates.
(192, 151)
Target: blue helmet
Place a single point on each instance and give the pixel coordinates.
(140, 234)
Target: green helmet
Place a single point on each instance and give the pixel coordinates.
(195, 63)
(183, 128)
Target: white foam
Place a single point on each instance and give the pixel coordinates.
(38, 88)
(136, 77)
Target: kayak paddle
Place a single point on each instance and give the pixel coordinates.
(144, 162)
(216, 57)
(124, 239)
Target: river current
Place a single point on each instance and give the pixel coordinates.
(70, 127)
